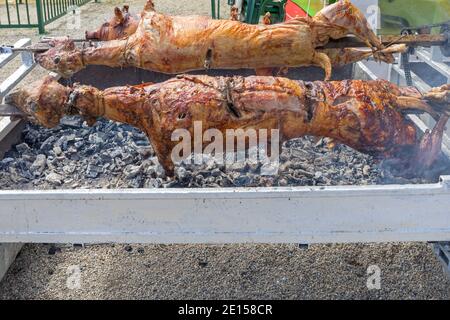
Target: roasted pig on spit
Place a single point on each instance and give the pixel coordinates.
(179, 44)
(122, 25)
(369, 116)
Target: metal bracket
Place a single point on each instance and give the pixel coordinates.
(442, 251)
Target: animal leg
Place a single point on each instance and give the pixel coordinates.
(411, 103)
(437, 103)
(322, 60)
(351, 20)
(439, 98)
(430, 145)
(343, 56)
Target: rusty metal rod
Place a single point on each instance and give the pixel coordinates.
(423, 40)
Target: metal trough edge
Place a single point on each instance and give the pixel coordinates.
(264, 215)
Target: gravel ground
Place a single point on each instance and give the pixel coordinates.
(228, 271)
(114, 156)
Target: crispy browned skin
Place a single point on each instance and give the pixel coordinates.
(179, 44)
(121, 25)
(367, 116)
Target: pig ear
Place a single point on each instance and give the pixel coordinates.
(125, 8)
(149, 6)
(118, 14)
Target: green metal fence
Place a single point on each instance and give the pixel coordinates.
(34, 13)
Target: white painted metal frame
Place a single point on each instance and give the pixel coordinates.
(9, 251)
(6, 125)
(268, 215)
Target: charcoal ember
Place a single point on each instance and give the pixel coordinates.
(170, 184)
(106, 157)
(71, 150)
(153, 183)
(29, 158)
(238, 166)
(91, 149)
(137, 182)
(84, 132)
(366, 170)
(78, 144)
(216, 172)
(7, 161)
(93, 171)
(62, 142)
(283, 182)
(116, 153)
(22, 167)
(127, 158)
(71, 122)
(39, 164)
(75, 157)
(69, 169)
(97, 138)
(22, 147)
(31, 136)
(111, 128)
(243, 181)
(141, 142)
(159, 171)
(181, 173)
(132, 171)
(57, 150)
(71, 137)
(54, 178)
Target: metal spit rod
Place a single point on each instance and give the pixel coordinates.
(347, 42)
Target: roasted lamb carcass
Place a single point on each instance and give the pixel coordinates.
(367, 116)
(179, 44)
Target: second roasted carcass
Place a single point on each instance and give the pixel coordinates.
(121, 25)
(369, 116)
(175, 44)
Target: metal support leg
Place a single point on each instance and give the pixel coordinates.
(8, 252)
(442, 251)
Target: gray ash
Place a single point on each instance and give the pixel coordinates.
(113, 155)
